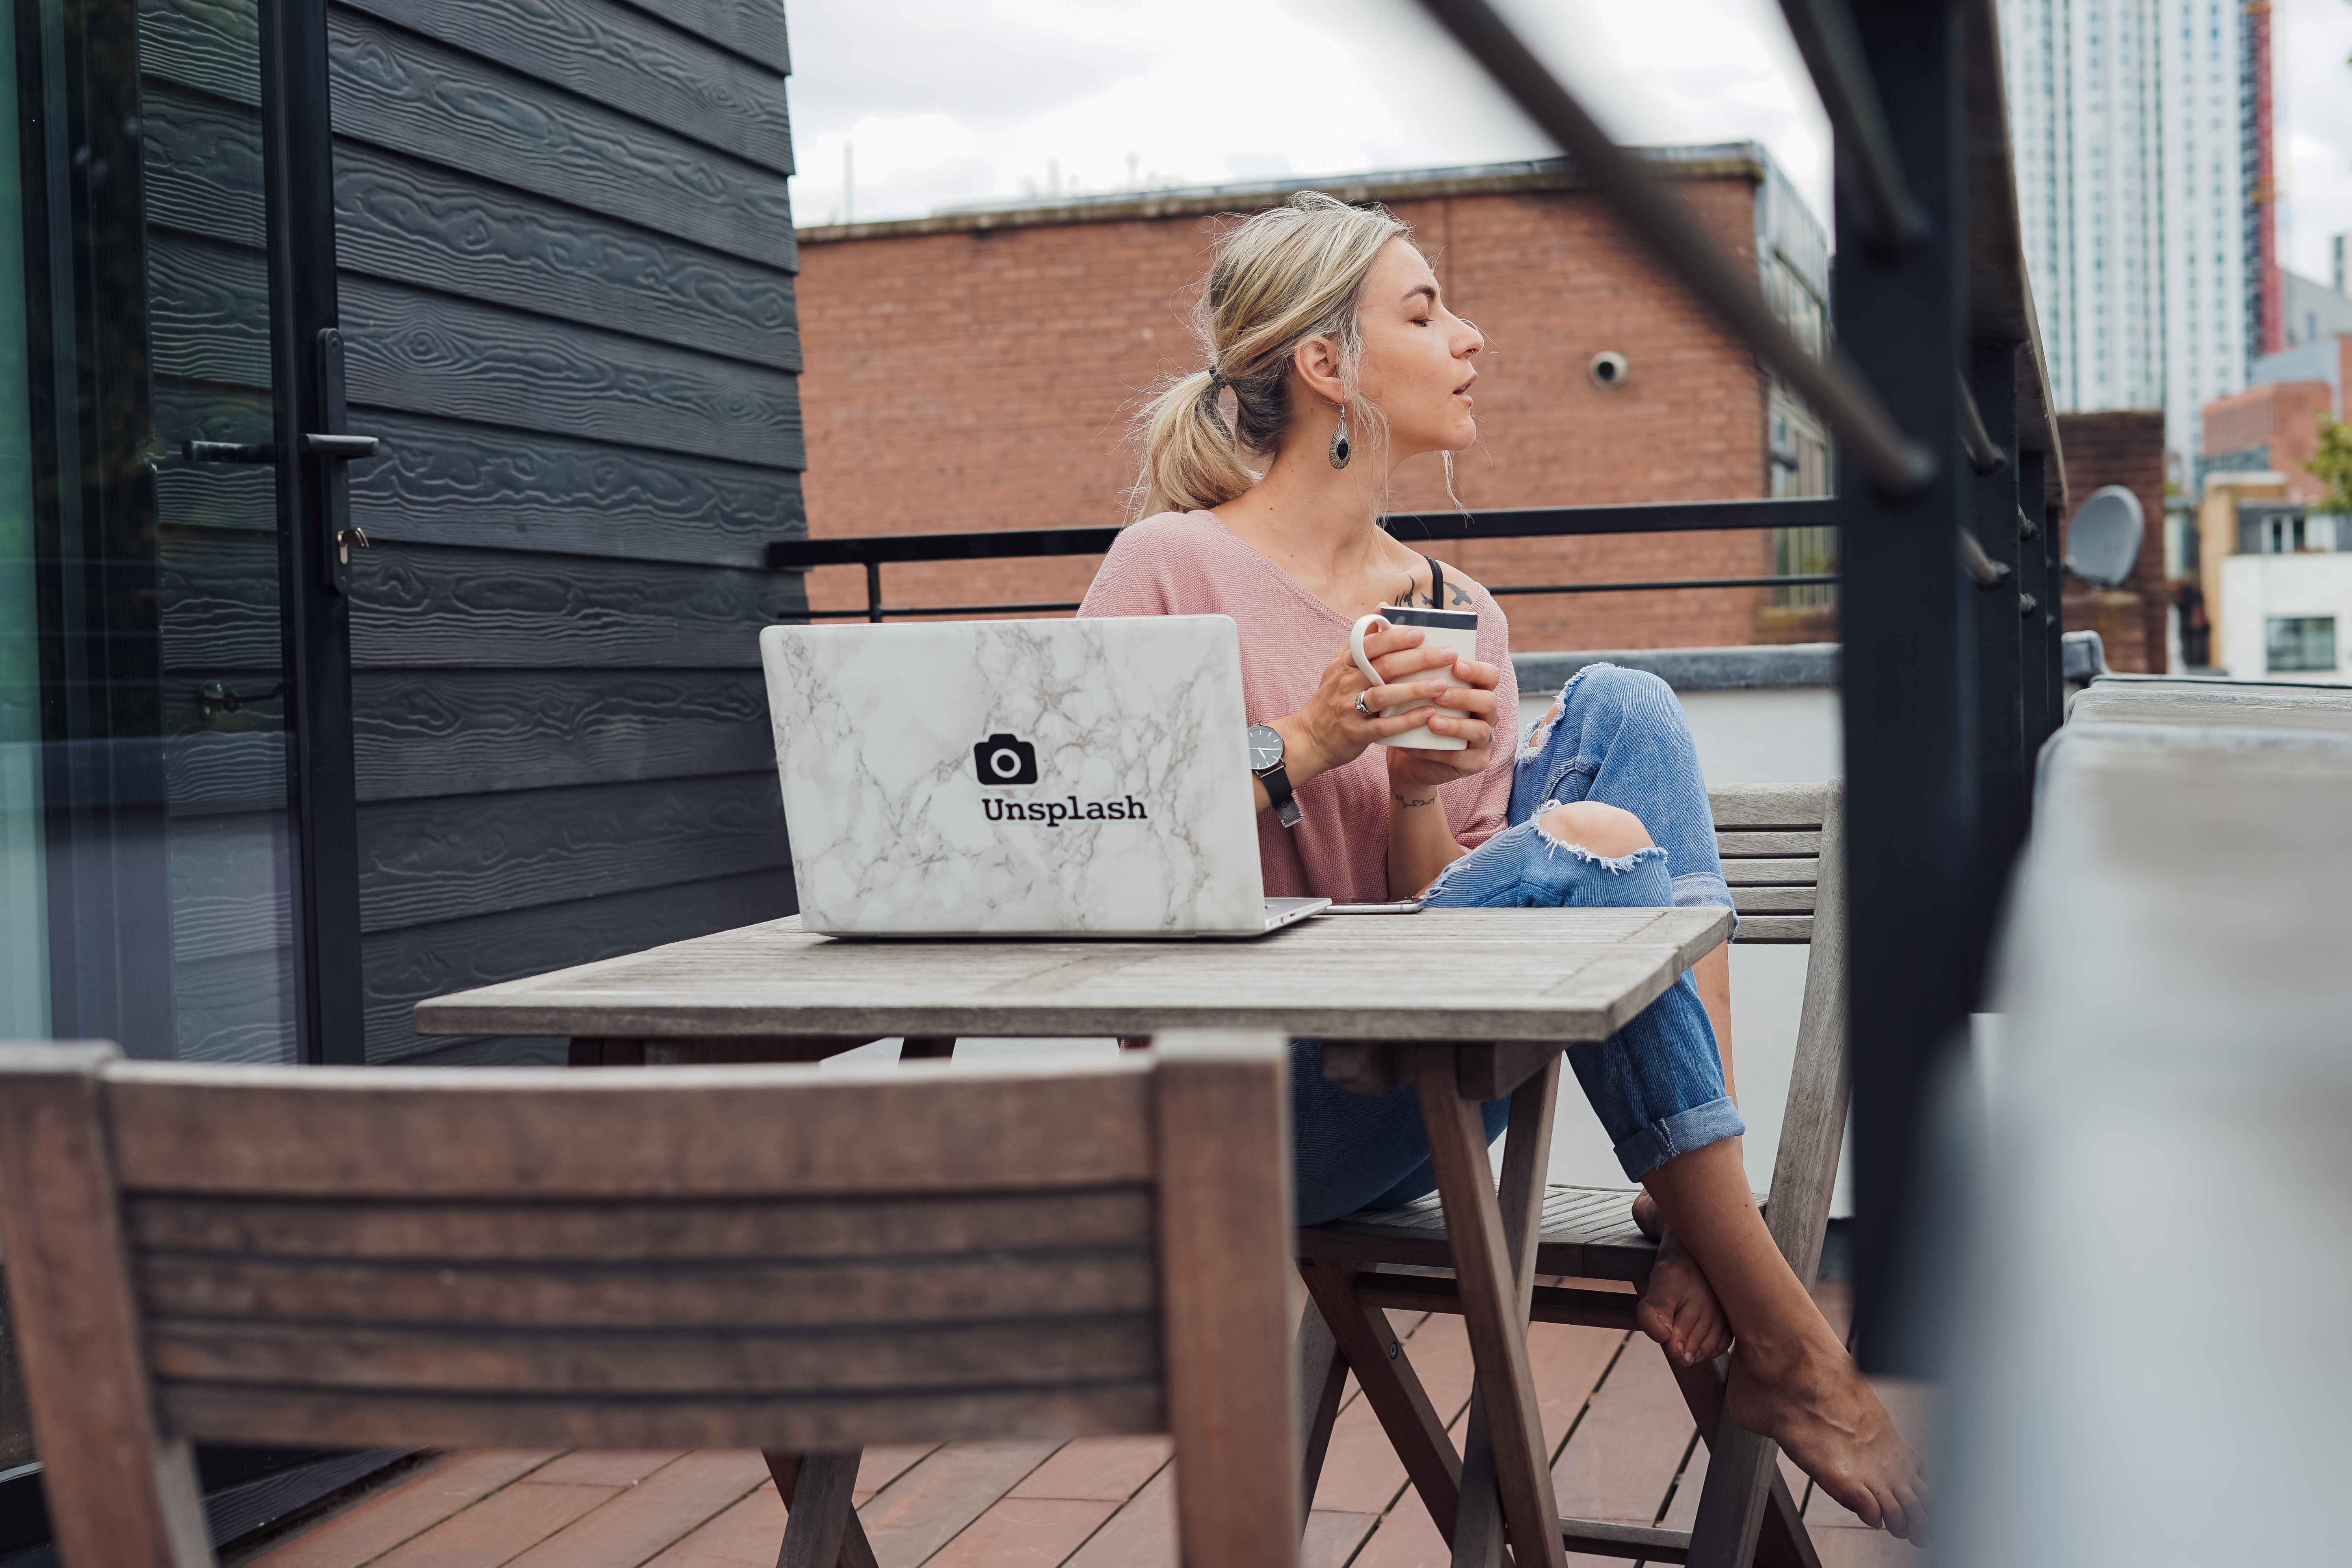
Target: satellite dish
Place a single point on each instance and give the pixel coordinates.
(2103, 541)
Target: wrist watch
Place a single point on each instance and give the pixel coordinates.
(1265, 762)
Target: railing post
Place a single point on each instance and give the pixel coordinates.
(874, 592)
(2034, 584)
(2000, 685)
(2053, 632)
(1908, 624)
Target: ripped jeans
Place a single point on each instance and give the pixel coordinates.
(1618, 738)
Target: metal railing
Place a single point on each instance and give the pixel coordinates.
(876, 551)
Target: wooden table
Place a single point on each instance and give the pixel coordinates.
(1465, 1005)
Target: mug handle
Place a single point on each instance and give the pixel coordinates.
(1356, 635)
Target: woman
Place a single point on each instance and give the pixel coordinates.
(1328, 335)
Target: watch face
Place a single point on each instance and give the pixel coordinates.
(1265, 747)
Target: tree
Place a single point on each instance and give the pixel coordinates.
(2333, 463)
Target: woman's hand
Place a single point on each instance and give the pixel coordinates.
(1330, 731)
(1415, 773)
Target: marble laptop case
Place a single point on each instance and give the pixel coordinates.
(1011, 778)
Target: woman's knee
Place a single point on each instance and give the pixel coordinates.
(1607, 831)
(1635, 693)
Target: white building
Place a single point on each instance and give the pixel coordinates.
(2285, 616)
(2130, 119)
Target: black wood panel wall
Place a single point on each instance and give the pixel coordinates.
(567, 292)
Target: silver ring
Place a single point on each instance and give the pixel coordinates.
(1360, 705)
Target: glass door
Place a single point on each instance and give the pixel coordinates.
(177, 854)
(164, 489)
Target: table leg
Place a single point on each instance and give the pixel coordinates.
(821, 1527)
(1322, 1374)
(1526, 1153)
(1493, 1296)
(1391, 1386)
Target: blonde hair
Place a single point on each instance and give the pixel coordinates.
(1282, 277)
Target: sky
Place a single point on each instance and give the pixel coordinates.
(954, 104)
(2311, 133)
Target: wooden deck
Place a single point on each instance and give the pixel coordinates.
(1624, 1450)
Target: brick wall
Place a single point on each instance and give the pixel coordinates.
(986, 378)
(2281, 418)
(2123, 447)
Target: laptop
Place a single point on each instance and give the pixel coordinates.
(1065, 778)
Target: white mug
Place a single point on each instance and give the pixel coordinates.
(1455, 629)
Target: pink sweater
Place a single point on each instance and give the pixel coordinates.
(1190, 563)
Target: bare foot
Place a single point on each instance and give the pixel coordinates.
(1679, 1310)
(1646, 1217)
(1813, 1401)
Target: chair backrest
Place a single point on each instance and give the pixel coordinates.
(731, 1257)
(1783, 849)
(1769, 836)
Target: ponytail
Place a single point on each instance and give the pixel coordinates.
(1190, 462)
(1282, 277)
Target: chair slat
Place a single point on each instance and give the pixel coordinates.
(771, 1230)
(1751, 845)
(1775, 931)
(731, 1130)
(1768, 804)
(1773, 900)
(219, 1412)
(590, 1296)
(1587, 1231)
(1792, 872)
(1038, 1352)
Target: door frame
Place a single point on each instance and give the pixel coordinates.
(299, 179)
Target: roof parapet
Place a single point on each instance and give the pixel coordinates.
(1722, 160)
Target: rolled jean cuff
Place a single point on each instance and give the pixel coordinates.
(1693, 887)
(1680, 1133)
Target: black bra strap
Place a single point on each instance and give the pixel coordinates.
(1436, 583)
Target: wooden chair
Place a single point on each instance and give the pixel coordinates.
(1783, 850)
(704, 1256)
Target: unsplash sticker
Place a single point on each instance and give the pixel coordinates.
(1053, 812)
(1006, 759)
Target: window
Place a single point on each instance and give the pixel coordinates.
(2301, 643)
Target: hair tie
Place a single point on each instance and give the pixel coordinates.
(1217, 381)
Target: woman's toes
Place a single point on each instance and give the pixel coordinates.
(1911, 1509)
(1859, 1500)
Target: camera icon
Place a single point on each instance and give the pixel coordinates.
(1003, 759)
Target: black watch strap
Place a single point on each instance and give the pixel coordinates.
(1277, 779)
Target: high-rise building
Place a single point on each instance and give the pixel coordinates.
(2260, 223)
(2139, 128)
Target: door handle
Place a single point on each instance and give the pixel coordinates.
(229, 451)
(336, 448)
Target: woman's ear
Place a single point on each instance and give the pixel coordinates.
(1317, 360)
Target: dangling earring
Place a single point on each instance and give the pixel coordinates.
(1339, 448)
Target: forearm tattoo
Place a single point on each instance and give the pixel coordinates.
(1430, 799)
